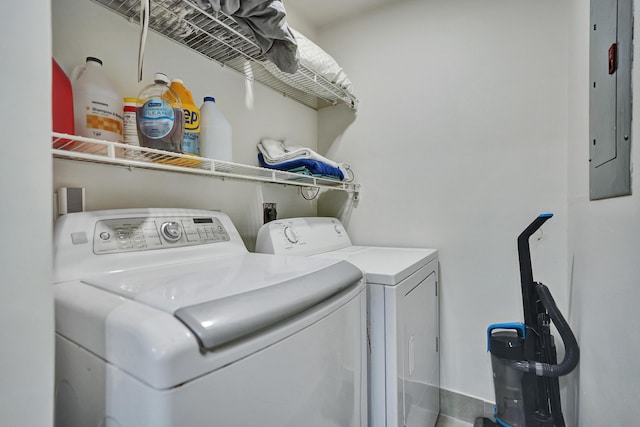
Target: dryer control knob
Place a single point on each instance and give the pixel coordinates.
(290, 235)
(171, 231)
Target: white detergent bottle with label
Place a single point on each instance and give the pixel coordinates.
(215, 133)
(97, 105)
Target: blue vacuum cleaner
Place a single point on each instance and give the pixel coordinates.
(523, 355)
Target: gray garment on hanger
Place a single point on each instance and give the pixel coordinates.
(265, 20)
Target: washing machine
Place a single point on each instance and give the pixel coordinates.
(163, 318)
(403, 319)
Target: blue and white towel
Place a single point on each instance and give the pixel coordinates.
(285, 156)
(312, 167)
(275, 152)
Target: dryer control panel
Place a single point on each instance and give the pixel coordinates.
(302, 236)
(139, 234)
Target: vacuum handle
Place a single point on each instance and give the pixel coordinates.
(534, 226)
(526, 272)
(513, 325)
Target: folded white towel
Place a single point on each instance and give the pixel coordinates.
(275, 152)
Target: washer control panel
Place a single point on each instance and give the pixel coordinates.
(141, 234)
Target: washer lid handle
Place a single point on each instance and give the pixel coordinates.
(221, 321)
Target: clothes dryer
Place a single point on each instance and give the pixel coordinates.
(403, 318)
(163, 318)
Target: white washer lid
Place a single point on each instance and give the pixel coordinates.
(226, 298)
(384, 265)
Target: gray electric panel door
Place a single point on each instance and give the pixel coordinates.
(610, 98)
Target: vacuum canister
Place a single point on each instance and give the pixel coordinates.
(506, 347)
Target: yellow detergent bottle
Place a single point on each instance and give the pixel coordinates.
(191, 134)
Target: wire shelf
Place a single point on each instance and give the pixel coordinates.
(98, 151)
(219, 38)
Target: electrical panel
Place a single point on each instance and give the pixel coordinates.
(610, 98)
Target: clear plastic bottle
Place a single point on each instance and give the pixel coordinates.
(97, 104)
(159, 116)
(215, 134)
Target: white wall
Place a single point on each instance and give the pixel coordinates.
(82, 28)
(459, 142)
(26, 301)
(603, 256)
(297, 20)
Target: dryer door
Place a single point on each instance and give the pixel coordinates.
(419, 367)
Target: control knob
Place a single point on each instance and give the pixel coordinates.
(290, 235)
(171, 231)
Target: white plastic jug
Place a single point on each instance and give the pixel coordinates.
(97, 105)
(215, 133)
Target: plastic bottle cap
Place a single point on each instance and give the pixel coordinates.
(94, 59)
(177, 81)
(162, 77)
(134, 100)
(209, 98)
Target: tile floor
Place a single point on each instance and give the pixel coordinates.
(444, 421)
(459, 410)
